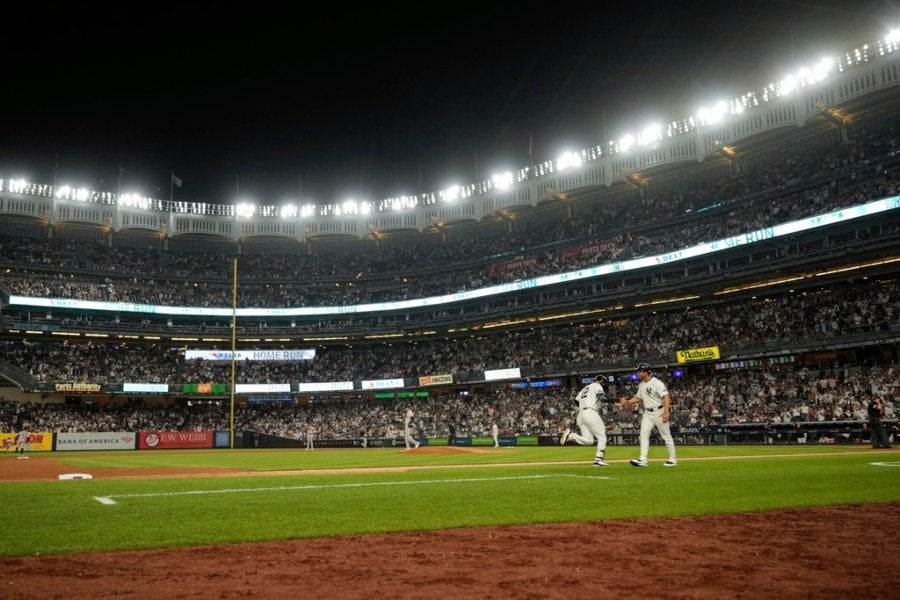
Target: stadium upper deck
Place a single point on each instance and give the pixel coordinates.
(833, 95)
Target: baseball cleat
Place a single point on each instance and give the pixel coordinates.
(600, 463)
(638, 463)
(564, 436)
(670, 463)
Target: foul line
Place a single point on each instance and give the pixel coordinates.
(108, 500)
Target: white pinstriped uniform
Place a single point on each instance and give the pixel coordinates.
(651, 393)
(589, 421)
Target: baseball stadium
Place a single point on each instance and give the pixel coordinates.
(367, 398)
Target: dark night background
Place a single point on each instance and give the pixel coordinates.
(374, 101)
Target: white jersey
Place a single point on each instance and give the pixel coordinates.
(590, 396)
(409, 417)
(651, 393)
(22, 438)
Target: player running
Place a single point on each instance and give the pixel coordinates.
(589, 421)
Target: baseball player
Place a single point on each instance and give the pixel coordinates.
(22, 441)
(407, 436)
(589, 421)
(495, 433)
(654, 396)
(310, 437)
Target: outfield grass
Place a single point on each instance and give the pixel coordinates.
(511, 486)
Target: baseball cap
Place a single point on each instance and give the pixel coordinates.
(643, 367)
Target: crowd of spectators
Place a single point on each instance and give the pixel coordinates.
(867, 306)
(783, 395)
(795, 187)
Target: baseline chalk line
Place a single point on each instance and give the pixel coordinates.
(110, 500)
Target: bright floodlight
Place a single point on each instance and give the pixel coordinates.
(713, 114)
(245, 209)
(787, 85)
(893, 36)
(349, 207)
(822, 68)
(308, 210)
(567, 160)
(288, 211)
(364, 208)
(82, 195)
(134, 200)
(451, 193)
(402, 202)
(17, 185)
(626, 142)
(651, 133)
(503, 180)
(63, 192)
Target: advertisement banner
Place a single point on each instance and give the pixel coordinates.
(167, 440)
(327, 386)
(242, 355)
(108, 440)
(79, 387)
(592, 249)
(37, 442)
(204, 388)
(502, 374)
(261, 388)
(436, 380)
(697, 354)
(511, 266)
(145, 388)
(381, 384)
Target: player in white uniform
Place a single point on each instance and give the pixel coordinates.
(310, 436)
(589, 421)
(495, 433)
(654, 396)
(407, 421)
(22, 442)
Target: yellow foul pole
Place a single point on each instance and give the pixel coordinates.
(233, 346)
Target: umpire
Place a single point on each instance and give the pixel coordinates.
(879, 435)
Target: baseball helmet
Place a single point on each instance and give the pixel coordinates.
(643, 367)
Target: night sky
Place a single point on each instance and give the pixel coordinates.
(374, 104)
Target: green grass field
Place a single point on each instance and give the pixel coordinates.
(491, 487)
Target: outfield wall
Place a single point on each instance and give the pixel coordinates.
(842, 432)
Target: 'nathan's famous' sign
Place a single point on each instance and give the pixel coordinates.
(697, 354)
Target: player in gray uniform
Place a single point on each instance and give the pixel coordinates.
(589, 421)
(411, 442)
(654, 396)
